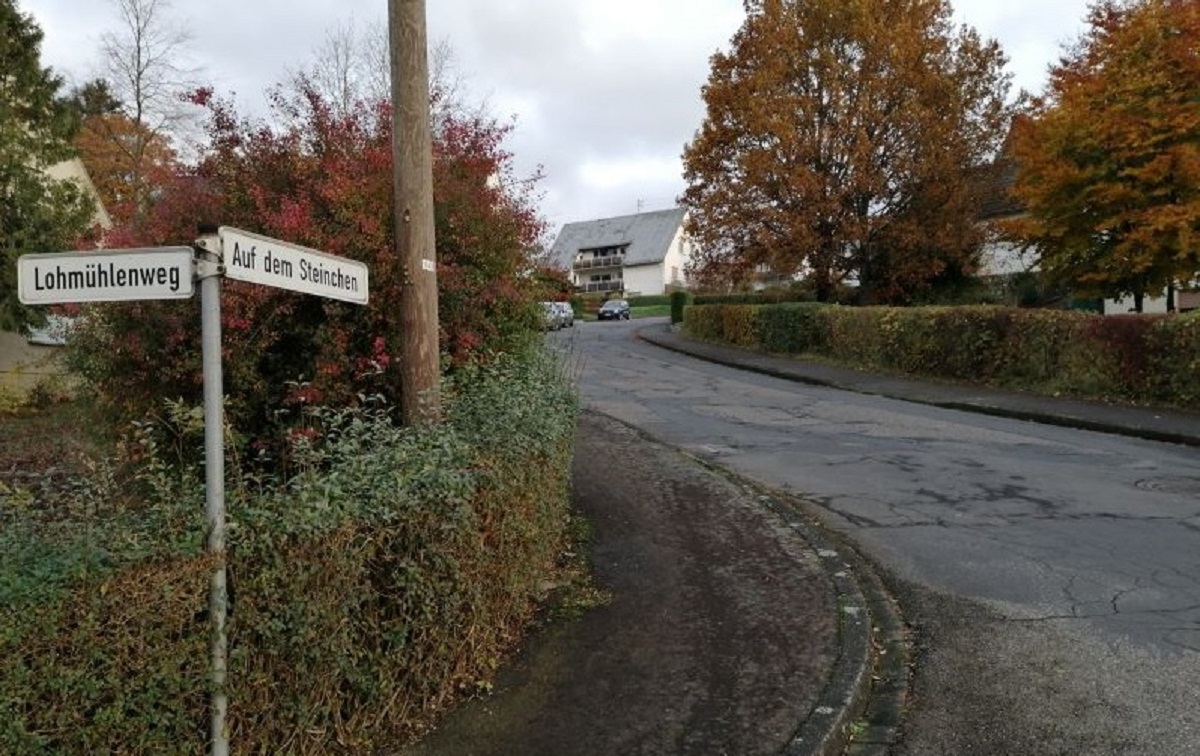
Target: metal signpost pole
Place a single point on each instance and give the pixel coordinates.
(125, 275)
(208, 269)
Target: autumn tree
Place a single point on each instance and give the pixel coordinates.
(313, 175)
(838, 144)
(108, 139)
(37, 214)
(1110, 159)
(142, 60)
(352, 66)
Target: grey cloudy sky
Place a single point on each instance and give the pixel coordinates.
(605, 94)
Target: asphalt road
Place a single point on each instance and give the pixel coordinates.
(1051, 576)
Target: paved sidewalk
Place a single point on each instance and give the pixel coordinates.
(733, 628)
(1157, 424)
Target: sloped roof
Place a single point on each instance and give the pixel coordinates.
(648, 236)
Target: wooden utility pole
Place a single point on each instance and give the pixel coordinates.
(412, 157)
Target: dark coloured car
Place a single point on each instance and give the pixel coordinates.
(613, 309)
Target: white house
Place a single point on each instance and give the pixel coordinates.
(1000, 257)
(646, 253)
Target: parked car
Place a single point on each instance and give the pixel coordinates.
(566, 313)
(613, 309)
(54, 333)
(552, 316)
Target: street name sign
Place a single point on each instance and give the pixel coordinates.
(270, 262)
(105, 276)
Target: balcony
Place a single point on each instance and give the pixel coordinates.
(604, 261)
(601, 286)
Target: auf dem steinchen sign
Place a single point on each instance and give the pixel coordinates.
(270, 262)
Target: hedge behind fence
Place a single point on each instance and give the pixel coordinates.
(1144, 358)
(386, 577)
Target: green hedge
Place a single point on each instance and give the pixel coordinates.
(649, 300)
(383, 579)
(1142, 358)
(767, 296)
(679, 300)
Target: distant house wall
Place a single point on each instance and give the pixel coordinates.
(74, 170)
(644, 279)
(660, 278)
(1185, 301)
(674, 267)
(646, 253)
(1004, 258)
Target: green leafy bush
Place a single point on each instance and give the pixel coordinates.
(734, 324)
(381, 580)
(793, 328)
(1174, 346)
(679, 300)
(724, 299)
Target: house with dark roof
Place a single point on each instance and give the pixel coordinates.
(646, 253)
(1000, 257)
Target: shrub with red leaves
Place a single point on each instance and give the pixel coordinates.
(313, 177)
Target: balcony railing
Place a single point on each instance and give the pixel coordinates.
(607, 261)
(602, 286)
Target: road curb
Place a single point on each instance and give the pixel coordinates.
(858, 711)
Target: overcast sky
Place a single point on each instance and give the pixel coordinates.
(605, 93)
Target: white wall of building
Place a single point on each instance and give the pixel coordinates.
(1157, 305)
(643, 280)
(1002, 258)
(659, 278)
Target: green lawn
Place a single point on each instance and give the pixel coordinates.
(650, 311)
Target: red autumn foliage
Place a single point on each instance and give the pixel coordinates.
(322, 180)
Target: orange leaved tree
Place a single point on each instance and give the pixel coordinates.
(1110, 158)
(838, 144)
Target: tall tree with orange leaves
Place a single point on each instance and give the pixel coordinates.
(838, 144)
(1110, 159)
(126, 160)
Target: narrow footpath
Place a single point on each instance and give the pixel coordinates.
(728, 632)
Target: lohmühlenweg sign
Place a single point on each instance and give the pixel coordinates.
(270, 262)
(105, 276)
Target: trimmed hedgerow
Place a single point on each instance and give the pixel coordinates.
(649, 300)
(1149, 358)
(380, 581)
(792, 328)
(734, 324)
(1174, 348)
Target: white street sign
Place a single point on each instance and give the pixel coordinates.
(270, 262)
(105, 275)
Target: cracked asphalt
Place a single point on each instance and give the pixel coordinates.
(1050, 576)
